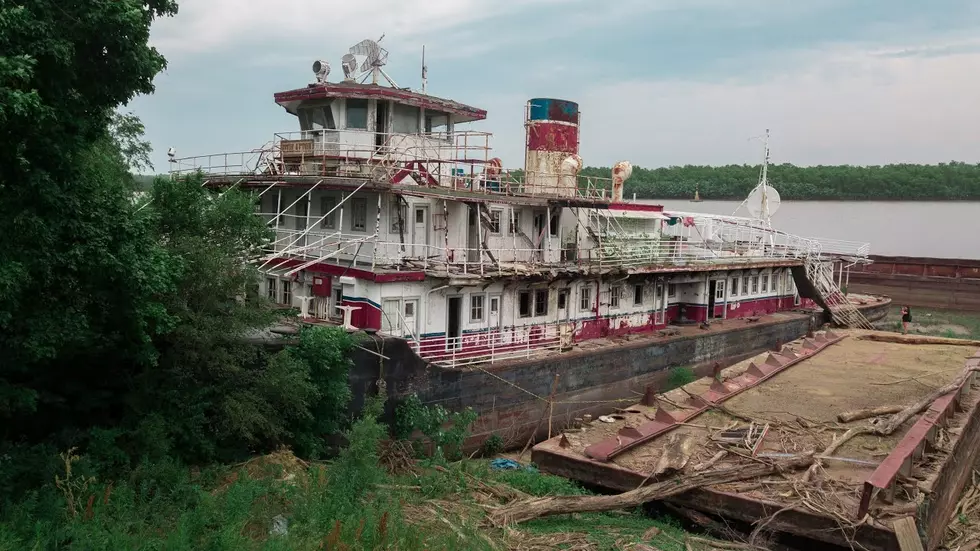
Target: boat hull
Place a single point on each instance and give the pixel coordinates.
(520, 401)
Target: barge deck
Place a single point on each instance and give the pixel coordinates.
(787, 403)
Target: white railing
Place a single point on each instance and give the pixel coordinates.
(491, 346)
(365, 250)
(459, 162)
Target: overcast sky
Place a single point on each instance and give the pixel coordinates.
(659, 82)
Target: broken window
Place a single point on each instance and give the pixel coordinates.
(541, 302)
(524, 304)
(495, 221)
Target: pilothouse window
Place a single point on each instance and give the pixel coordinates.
(406, 119)
(357, 113)
(318, 117)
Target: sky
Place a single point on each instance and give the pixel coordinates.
(658, 82)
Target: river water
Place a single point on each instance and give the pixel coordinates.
(931, 229)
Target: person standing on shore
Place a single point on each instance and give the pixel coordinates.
(906, 319)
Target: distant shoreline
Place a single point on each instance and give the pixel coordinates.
(821, 200)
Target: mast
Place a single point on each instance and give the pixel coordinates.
(764, 181)
(425, 70)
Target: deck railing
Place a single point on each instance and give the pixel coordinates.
(492, 346)
(459, 162)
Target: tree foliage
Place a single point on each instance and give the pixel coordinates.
(126, 324)
(943, 182)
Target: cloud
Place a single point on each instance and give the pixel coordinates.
(216, 24)
(845, 106)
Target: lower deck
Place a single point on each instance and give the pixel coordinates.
(795, 399)
(502, 320)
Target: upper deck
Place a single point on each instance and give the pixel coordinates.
(404, 152)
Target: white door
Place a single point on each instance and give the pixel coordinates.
(493, 313)
(563, 298)
(410, 316)
(420, 230)
(390, 322)
(660, 303)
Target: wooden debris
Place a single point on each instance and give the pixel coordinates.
(858, 414)
(711, 462)
(676, 454)
(910, 339)
(907, 534)
(525, 510)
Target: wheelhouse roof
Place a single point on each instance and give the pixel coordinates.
(292, 99)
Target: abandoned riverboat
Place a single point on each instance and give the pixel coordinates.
(392, 218)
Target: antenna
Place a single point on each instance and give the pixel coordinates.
(425, 70)
(763, 201)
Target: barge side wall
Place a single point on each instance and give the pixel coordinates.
(511, 399)
(955, 473)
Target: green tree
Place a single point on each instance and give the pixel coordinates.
(79, 274)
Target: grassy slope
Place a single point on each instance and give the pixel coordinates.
(429, 508)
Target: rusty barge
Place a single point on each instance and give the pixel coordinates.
(925, 282)
(868, 490)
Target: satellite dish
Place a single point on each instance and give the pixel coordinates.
(349, 64)
(374, 55)
(321, 69)
(762, 202)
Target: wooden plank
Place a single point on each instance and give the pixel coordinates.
(907, 534)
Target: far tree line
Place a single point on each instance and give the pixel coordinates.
(942, 182)
(952, 181)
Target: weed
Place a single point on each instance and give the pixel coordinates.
(680, 376)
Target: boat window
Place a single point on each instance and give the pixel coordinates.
(734, 286)
(755, 284)
(524, 300)
(541, 302)
(720, 290)
(319, 117)
(436, 122)
(585, 299)
(357, 110)
(326, 205)
(476, 308)
(562, 299)
(638, 295)
(671, 290)
(553, 226)
(614, 296)
(495, 221)
(765, 283)
(406, 119)
(358, 214)
(271, 291)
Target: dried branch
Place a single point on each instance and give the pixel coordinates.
(524, 510)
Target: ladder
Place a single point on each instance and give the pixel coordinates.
(842, 312)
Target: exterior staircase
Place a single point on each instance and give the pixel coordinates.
(820, 273)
